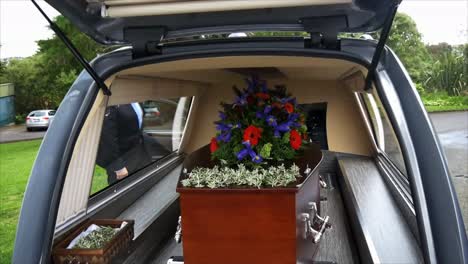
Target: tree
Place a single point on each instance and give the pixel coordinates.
(406, 41)
(438, 50)
(42, 80)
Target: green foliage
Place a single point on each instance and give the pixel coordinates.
(219, 177)
(96, 239)
(20, 119)
(449, 73)
(406, 41)
(441, 101)
(266, 150)
(42, 80)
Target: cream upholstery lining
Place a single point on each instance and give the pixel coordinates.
(346, 130)
(78, 180)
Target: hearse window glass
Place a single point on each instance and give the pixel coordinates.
(136, 135)
(383, 131)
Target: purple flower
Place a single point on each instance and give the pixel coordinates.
(262, 114)
(293, 117)
(249, 151)
(283, 127)
(267, 109)
(222, 115)
(224, 137)
(271, 120)
(257, 159)
(259, 114)
(223, 127)
(290, 100)
(241, 100)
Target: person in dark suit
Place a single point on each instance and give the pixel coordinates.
(123, 147)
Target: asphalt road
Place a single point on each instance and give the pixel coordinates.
(452, 129)
(18, 133)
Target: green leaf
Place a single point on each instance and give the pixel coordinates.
(285, 138)
(265, 151)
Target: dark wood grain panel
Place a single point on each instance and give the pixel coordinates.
(381, 230)
(337, 245)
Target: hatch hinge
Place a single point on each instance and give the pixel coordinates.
(145, 40)
(99, 81)
(371, 70)
(324, 31)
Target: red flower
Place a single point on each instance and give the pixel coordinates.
(289, 107)
(295, 139)
(252, 134)
(213, 145)
(263, 96)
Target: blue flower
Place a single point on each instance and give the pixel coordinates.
(224, 137)
(267, 109)
(283, 127)
(291, 100)
(241, 100)
(249, 151)
(223, 127)
(271, 120)
(259, 114)
(257, 159)
(222, 115)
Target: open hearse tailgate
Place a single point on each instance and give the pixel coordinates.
(107, 20)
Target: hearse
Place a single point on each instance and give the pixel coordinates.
(385, 185)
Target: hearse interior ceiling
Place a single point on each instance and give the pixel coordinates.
(210, 81)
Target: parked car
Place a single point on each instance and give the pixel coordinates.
(387, 188)
(39, 119)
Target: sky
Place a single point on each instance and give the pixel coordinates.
(21, 25)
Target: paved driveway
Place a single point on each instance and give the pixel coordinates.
(452, 129)
(18, 133)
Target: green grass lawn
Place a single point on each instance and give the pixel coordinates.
(16, 160)
(441, 102)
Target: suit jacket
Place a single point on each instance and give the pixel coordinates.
(123, 143)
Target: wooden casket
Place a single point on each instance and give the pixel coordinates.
(250, 225)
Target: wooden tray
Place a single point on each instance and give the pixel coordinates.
(119, 242)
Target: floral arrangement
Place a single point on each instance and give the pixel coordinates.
(262, 125)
